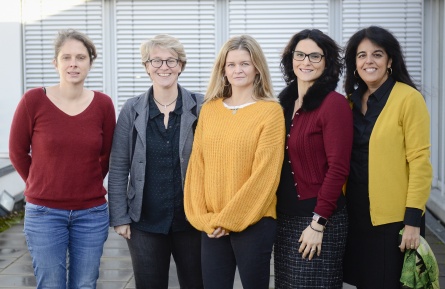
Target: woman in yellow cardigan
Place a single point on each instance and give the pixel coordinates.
(390, 175)
(234, 169)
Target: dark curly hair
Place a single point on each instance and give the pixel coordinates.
(325, 83)
(386, 40)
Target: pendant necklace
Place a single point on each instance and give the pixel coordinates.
(165, 105)
(235, 108)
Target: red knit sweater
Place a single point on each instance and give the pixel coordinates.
(319, 147)
(63, 159)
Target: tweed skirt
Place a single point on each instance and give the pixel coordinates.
(325, 271)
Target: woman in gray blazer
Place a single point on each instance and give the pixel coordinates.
(151, 149)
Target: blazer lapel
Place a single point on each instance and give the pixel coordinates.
(187, 118)
(141, 117)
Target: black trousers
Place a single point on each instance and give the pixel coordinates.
(250, 250)
(151, 253)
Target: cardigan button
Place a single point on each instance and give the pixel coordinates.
(293, 173)
(298, 196)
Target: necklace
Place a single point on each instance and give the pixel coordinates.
(234, 108)
(165, 105)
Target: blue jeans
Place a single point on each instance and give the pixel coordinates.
(250, 250)
(52, 233)
(151, 253)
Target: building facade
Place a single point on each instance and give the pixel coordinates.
(117, 27)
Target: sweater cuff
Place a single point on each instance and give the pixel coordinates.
(413, 217)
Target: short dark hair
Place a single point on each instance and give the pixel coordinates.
(331, 51)
(384, 39)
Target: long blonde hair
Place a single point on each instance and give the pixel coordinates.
(218, 85)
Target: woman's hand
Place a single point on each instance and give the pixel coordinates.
(123, 230)
(410, 238)
(311, 240)
(219, 232)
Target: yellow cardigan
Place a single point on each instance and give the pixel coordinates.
(235, 166)
(400, 171)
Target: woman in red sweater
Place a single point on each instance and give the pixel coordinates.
(60, 143)
(311, 214)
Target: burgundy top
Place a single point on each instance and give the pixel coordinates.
(319, 146)
(63, 159)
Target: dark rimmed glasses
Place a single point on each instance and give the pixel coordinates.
(156, 62)
(313, 57)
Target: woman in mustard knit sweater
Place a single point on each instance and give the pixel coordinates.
(234, 169)
(390, 179)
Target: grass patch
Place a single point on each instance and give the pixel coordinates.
(7, 222)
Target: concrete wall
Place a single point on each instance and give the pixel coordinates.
(11, 82)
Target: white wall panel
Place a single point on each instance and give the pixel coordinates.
(191, 21)
(401, 17)
(273, 23)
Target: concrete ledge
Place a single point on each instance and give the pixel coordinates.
(436, 204)
(5, 167)
(12, 184)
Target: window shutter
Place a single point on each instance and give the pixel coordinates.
(273, 23)
(42, 19)
(402, 17)
(192, 22)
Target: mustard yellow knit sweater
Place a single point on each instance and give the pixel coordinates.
(235, 166)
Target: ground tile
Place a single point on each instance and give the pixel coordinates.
(17, 281)
(11, 252)
(115, 275)
(19, 269)
(113, 263)
(5, 262)
(111, 285)
(116, 253)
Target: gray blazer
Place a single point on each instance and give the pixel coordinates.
(127, 174)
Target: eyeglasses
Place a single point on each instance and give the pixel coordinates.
(156, 63)
(313, 57)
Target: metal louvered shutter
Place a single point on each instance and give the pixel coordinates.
(273, 23)
(402, 17)
(192, 22)
(42, 19)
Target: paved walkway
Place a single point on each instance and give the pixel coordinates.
(116, 270)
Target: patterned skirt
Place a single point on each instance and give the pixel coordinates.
(294, 272)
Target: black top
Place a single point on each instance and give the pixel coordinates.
(162, 205)
(357, 192)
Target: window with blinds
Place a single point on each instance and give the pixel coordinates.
(202, 26)
(42, 19)
(402, 17)
(191, 21)
(273, 23)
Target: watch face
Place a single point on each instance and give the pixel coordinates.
(322, 221)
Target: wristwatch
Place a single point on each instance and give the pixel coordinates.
(319, 219)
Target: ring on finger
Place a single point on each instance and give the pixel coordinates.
(313, 250)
